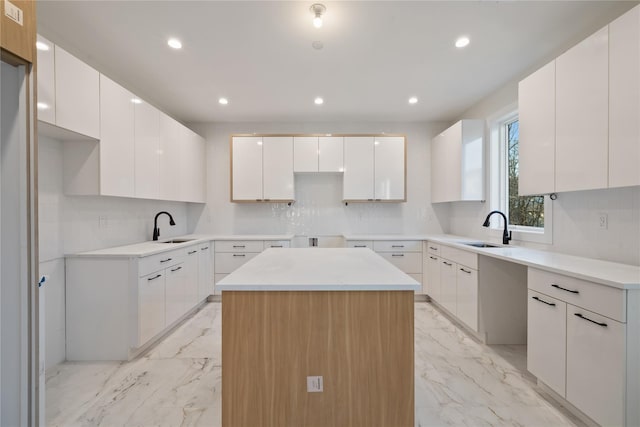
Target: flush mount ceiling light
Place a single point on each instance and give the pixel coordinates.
(462, 42)
(318, 10)
(413, 100)
(223, 101)
(174, 43)
(318, 101)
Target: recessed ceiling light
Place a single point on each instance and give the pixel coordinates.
(42, 106)
(462, 41)
(174, 43)
(42, 46)
(413, 100)
(223, 101)
(318, 101)
(136, 100)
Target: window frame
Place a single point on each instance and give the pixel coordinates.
(498, 176)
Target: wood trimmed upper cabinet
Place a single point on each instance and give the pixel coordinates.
(457, 156)
(19, 39)
(318, 154)
(277, 168)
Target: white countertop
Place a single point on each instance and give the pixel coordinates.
(386, 236)
(318, 269)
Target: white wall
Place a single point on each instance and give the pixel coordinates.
(576, 228)
(69, 224)
(318, 210)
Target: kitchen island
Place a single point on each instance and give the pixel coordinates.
(290, 316)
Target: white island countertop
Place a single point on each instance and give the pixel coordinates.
(318, 269)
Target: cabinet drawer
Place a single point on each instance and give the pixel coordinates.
(601, 299)
(277, 244)
(229, 262)
(397, 245)
(156, 262)
(409, 262)
(459, 256)
(239, 246)
(360, 244)
(433, 248)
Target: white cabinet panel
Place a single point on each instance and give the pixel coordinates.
(582, 115)
(448, 285)
(546, 340)
(389, 168)
(277, 172)
(191, 297)
(77, 95)
(247, 168)
(229, 262)
(624, 100)
(117, 130)
(46, 82)
(408, 262)
(305, 154)
(151, 301)
(277, 244)
(147, 144)
(239, 246)
(331, 154)
(397, 245)
(358, 183)
(432, 277)
(360, 244)
(537, 116)
(192, 159)
(169, 158)
(595, 366)
(467, 296)
(174, 293)
(205, 272)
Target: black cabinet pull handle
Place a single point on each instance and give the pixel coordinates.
(154, 277)
(432, 248)
(433, 258)
(397, 246)
(564, 289)
(192, 252)
(378, 200)
(276, 246)
(258, 200)
(604, 325)
(241, 255)
(238, 246)
(166, 260)
(205, 248)
(397, 254)
(446, 263)
(543, 301)
(359, 246)
(176, 269)
(465, 271)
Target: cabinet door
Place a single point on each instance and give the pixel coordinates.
(582, 116)
(46, 81)
(147, 144)
(596, 366)
(467, 296)
(174, 293)
(358, 168)
(277, 168)
(169, 158)
(305, 154)
(448, 285)
(193, 167)
(537, 146)
(472, 160)
(246, 177)
(546, 340)
(191, 272)
(389, 168)
(77, 95)
(446, 173)
(438, 171)
(331, 153)
(151, 310)
(117, 130)
(205, 273)
(432, 282)
(624, 100)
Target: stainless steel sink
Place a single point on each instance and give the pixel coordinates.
(177, 241)
(481, 245)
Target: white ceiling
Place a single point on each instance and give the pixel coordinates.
(376, 53)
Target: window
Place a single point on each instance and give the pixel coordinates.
(529, 216)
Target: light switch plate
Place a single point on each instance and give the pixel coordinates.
(314, 384)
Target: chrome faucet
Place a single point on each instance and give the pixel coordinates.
(506, 235)
(156, 230)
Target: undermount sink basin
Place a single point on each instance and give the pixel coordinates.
(481, 245)
(177, 241)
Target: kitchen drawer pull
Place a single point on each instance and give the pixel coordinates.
(604, 325)
(205, 248)
(432, 248)
(564, 289)
(433, 258)
(176, 269)
(192, 252)
(378, 200)
(242, 255)
(154, 277)
(166, 260)
(543, 301)
(465, 271)
(447, 263)
(397, 254)
(359, 246)
(369, 200)
(238, 246)
(275, 246)
(397, 246)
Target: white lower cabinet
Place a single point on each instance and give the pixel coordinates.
(191, 294)
(151, 305)
(467, 296)
(432, 280)
(175, 293)
(448, 285)
(205, 271)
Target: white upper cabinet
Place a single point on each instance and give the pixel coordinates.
(246, 164)
(624, 100)
(457, 156)
(117, 151)
(192, 159)
(147, 144)
(77, 93)
(169, 158)
(277, 168)
(358, 168)
(389, 168)
(46, 82)
(331, 154)
(582, 99)
(305, 154)
(537, 116)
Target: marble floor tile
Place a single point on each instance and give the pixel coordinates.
(459, 381)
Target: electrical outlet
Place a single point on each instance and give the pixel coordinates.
(314, 384)
(603, 220)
